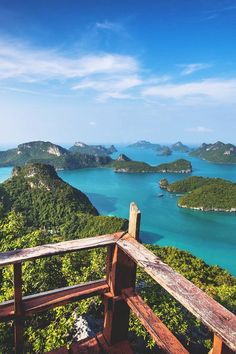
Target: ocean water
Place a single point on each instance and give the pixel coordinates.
(210, 236)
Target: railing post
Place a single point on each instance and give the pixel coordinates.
(121, 274)
(18, 324)
(219, 347)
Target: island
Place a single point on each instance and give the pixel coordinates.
(123, 164)
(55, 155)
(217, 152)
(180, 147)
(203, 193)
(143, 144)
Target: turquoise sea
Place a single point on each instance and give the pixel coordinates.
(210, 236)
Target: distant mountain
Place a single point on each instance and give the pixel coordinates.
(165, 151)
(180, 147)
(143, 144)
(218, 152)
(92, 149)
(49, 153)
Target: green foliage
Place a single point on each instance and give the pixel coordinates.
(216, 196)
(205, 193)
(43, 198)
(178, 166)
(191, 183)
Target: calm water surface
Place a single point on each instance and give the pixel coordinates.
(210, 236)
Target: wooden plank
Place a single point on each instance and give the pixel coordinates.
(18, 324)
(165, 340)
(53, 249)
(47, 300)
(86, 346)
(121, 274)
(119, 348)
(218, 319)
(219, 347)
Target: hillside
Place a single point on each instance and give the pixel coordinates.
(49, 153)
(206, 194)
(129, 166)
(92, 149)
(218, 152)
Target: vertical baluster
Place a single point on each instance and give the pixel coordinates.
(121, 274)
(219, 347)
(18, 325)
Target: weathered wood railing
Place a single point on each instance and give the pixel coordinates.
(125, 252)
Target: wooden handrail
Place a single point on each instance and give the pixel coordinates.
(216, 317)
(53, 249)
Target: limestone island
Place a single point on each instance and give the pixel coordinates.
(79, 156)
(205, 194)
(180, 147)
(123, 164)
(218, 152)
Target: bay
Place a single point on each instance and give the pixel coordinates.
(208, 235)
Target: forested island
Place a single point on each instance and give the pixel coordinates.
(124, 164)
(78, 156)
(206, 194)
(37, 207)
(217, 152)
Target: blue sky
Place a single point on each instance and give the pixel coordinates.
(117, 71)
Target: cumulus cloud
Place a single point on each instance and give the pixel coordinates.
(191, 68)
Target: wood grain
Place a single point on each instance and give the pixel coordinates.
(53, 249)
(217, 318)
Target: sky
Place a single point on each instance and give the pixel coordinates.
(105, 71)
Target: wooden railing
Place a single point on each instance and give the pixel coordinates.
(125, 252)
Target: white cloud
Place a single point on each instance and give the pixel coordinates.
(116, 84)
(112, 26)
(191, 68)
(26, 64)
(210, 90)
(199, 129)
